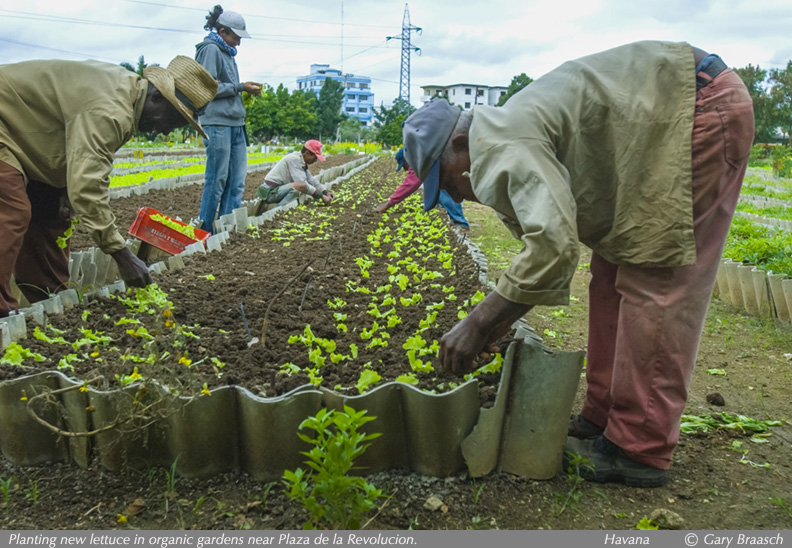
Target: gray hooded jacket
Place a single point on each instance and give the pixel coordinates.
(226, 109)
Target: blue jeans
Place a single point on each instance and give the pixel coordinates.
(226, 168)
(454, 209)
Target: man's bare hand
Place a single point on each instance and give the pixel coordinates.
(133, 271)
(476, 334)
(382, 208)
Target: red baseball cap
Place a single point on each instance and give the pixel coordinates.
(316, 147)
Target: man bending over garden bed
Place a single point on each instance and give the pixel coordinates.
(639, 153)
(61, 122)
(290, 176)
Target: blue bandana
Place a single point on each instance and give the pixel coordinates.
(217, 39)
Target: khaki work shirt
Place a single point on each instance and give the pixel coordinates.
(597, 151)
(61, 123)
(293, 169)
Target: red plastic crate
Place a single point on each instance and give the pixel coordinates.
(161, 236)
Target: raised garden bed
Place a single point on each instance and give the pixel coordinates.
(342, 301)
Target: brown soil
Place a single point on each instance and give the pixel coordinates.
(712, 484)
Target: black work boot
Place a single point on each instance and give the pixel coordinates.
(608, 462)
(583, 429)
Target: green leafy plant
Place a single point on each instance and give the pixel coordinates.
(67, 362)
(90, 338)
(5, 487)
(185, 229)
(367, 378)
(42, 336)
(32, 493)
(63, 241)
(125, 380)
(704, 423)
(15, 354)
(646, 525)
(781, 502)
(170, 484)
(408, 378)
(335, 499)
(574, 483)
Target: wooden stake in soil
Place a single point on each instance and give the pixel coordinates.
(265, 323)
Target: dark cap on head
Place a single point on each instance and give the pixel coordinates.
(425, 135)
(400, 159)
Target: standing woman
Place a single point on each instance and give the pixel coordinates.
(224, 118)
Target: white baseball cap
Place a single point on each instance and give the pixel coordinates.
(235, 22)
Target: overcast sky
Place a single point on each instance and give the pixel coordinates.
(462, 41)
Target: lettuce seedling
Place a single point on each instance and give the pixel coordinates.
(127, 321)
(415, 299)
(417, 364)
(40, 335)
(91, 338)
(477, 298)
(67, 362)
(366, 334)
(408, 378)
(313, 377)
(428, 322)
(367, 378)
(376, 341)
(316, 358)
(290, 369)
(416, 342)
(15, 354)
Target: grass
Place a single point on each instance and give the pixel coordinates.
(492, 237)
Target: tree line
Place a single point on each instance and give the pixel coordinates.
(280, 115)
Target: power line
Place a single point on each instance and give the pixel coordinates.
(39, 46)
(71, 20)
(161, 5)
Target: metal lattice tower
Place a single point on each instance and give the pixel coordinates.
(406, 48)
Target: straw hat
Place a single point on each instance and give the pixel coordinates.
(188, 79)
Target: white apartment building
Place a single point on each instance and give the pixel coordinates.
(465, 95)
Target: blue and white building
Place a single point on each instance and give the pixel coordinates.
(358, 97)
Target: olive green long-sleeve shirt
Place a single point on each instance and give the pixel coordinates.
(597, 151)
(61, 122)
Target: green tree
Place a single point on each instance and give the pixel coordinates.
(141, 64)
(765, 114)
(328, 109)
(352, 129)
(260, 115)
(278, 114)
(518, 82)
(781, 94)
(389, 121)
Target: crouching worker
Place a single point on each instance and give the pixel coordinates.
(638, 152)
(61, 122)
(290, 177)
(411, 184)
